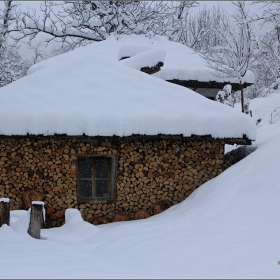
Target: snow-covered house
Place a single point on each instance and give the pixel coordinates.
(184, 67)
(90, 131)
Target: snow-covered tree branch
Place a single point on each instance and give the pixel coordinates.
(77, 23)
(269, 44)
(11, 65)
(232, 58)
(198, 31)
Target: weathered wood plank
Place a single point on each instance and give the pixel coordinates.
(4, 211)
(36, 219)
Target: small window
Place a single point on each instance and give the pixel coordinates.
(96, 179)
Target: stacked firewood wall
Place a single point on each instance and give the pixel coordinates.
(167, 169)
(147, 171)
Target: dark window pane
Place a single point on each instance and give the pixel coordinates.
(102, 168)
(85, 167)
(101, 188)
(85, 188)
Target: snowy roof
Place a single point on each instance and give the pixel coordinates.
(181, 62)
(89, 91)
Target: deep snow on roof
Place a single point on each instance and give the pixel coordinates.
(89, 91)
(181, 62)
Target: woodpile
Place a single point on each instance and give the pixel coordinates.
(149, 169)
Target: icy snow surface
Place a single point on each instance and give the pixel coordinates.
(227, 228)
(89, 91)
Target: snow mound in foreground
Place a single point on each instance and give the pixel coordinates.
(75, 228)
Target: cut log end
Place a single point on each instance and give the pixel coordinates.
(100, 221)
(161, 206)
(141, 214)
(31, 195)
(120, 216)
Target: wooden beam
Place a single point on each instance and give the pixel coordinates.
(4, 211)
(211, 84)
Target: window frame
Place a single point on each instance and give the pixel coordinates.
(111, 181)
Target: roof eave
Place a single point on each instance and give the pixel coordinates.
(228, 140)
(194, 84)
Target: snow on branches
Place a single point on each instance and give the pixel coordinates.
(232, 58)
(77, 23)
(11, 65)
(224, 96)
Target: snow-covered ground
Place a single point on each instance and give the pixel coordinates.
(228, 228)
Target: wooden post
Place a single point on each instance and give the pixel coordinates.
(242, 97)
(36, 219)
(4, 211)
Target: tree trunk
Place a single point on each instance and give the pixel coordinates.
(36, 220)
(4, 213)
(242, 97)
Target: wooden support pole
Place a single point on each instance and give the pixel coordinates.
(36, 219)
(4, 211)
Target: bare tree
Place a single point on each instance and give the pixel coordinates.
(11, 65)
(77, 23)
(231, 60)
(269, 44)
(198, 31)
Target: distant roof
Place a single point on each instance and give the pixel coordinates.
(89, 91)
(181, 63)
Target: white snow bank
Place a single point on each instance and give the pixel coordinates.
(131, 50)
(263, 108)
(88, 91)
(7, 234)
(73, 216)
(75, 228)
(19, 221)
(3, 199)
